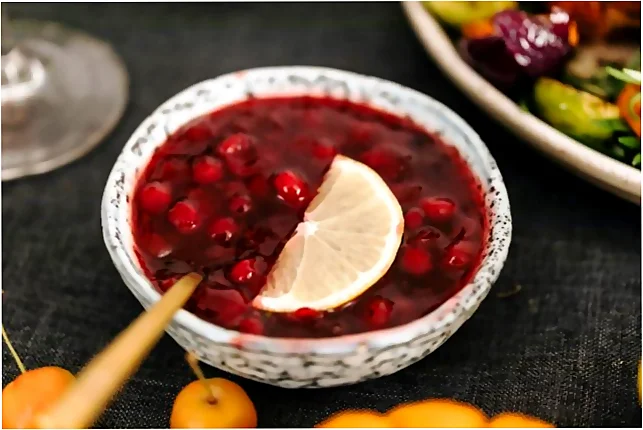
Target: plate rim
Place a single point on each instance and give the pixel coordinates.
(607, 173)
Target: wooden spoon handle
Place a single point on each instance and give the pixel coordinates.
(97, 383)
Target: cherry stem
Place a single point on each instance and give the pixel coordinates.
(193, 362)
(13, 352)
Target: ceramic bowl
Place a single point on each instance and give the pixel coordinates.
(310, 363)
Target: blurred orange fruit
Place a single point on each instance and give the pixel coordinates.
(516, 420)
(356, 419)
(30, 393)
(436, 413)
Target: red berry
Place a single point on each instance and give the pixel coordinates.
(174, 168)
(361, 134)
(184, 217)
(251, 325)
(305, 315)
(456, 259)
(243, 271)
(198, 132)
(438, 209)
(167, 282)
(291, 188)
(416, 261)
(236, 144)
(413, 218)
(240, 204)
(225, 306)
(324, 149)
(378, 312)
(425, 237)
(405, 192)
(155, 197)
(206, 170)
(223, 229)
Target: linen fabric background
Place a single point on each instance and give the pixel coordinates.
(565, 348)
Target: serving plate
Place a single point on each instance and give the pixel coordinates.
(599, 169)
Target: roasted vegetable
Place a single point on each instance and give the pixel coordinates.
(578, 114)
(459, 13)
(522, 47)
(629, 103)
(597, 19)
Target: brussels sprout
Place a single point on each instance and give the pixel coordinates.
(459, 13)
(578, 114)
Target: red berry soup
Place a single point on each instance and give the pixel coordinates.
(224, 194)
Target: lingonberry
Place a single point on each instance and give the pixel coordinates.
(243, 271)
(439, 210)
(305, 315)
(207, 170)
(237, 145)
(386, 163)
(157, 246)
(155, 197)
(414, 218)
(184, 217)
(416, 261)
(324, 149)
(378, 312)
(291, 188)
(223, 229)
(240, 204)
(456, 259)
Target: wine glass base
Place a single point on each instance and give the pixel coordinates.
(81, 98)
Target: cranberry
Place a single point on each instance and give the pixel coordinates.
(203, 200)
(378, 312)
(291, 188)
(438, 210)
(184, 217)
(236, 145)
(174, 168)
(243, 271)
(456, 259)
(156, 245)
(240, 204)
(226, 305)
(206, 170)
(425, 236)
(416, 261)
(251, 325)
(198, 133)
(223, 229)
(413, 218)
(362, 133)
(305, 315)
(155, 197)
(324, 149)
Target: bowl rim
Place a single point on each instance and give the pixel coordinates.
(599, 169)
(460, 305)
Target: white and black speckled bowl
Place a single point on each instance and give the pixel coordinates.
(310, 363)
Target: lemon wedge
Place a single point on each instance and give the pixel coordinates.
(347, 241)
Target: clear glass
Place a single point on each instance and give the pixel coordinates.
(62, 92)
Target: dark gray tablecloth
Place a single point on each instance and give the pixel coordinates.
(564, 349)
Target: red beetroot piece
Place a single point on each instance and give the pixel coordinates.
(378, 312)
(291, 188)
(251, 325)
(223, 230)
(416, 261)
(414, 218)
(438, 210)
(184, 217)
(155, 197)
(207, 170)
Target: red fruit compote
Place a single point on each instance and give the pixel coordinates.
(224, 194)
